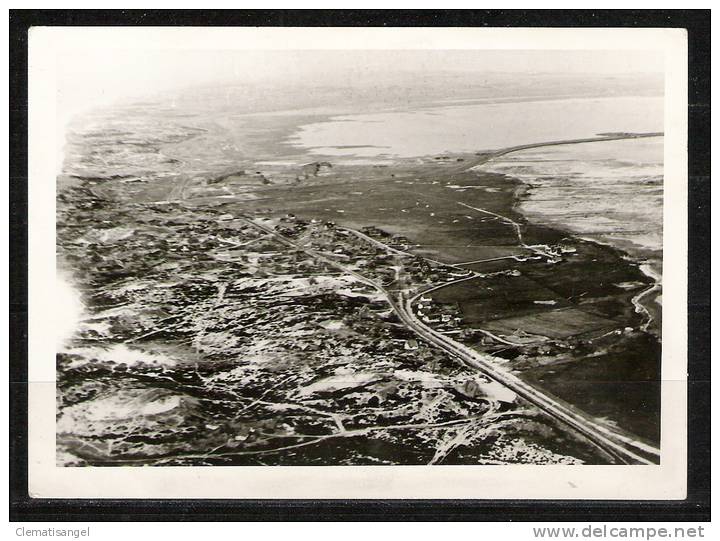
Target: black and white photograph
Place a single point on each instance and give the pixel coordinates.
(275, 254)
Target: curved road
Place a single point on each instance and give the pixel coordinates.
(621, 448)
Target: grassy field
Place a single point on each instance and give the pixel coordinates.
(585, 293)
(570, 301)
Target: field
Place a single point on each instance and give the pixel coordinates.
(565, 302)
(556, 309)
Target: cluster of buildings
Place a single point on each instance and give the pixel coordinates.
(442, 318)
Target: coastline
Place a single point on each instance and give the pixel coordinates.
(650, 265)
(396, 198)
(647, 258)
(465, 126)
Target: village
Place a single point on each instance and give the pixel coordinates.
(252, 343)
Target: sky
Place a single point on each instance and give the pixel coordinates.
(94, 76)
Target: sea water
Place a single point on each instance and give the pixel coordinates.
(610, 191)
(472, 127)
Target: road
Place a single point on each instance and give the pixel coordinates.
(395, 251)
(483, 158)
(618, 137)
(177, 191)
(621, 448)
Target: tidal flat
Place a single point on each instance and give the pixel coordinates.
(239, 304)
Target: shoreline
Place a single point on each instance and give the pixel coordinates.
(465, 121)
(329, 198)
(476, 160)
(648, 260)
